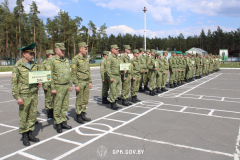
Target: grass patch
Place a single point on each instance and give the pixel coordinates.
(5, 69)
(230, 65)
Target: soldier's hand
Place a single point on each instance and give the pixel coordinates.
(164, 72)
(45, 89)
(112, 80)
(125, 78)
(103, 81)
(77, 89)
(189, 68)
(124, 71)
(54, 91)
(90, 85)
(20, 101)
(141, 71)
(130, 77)
(70, 89)
(134, 79)
(155, 69)
(146, 71)
(39, 85)
(140, 78)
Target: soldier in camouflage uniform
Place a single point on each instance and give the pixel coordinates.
(204, 63)
(199, 67)
(207, 65)
(146, 77)
(142, 60)
(26, 94)
(152, 72)
(165, 71)
(173, 68)
(81, 77)
(126, 77)
(194, 67)
(184, 67)
(159, 76)
(177, 69)
(189, 67)
(113, 71)
(47, 85)
(60, 85)
(105, 78)
(136, 75)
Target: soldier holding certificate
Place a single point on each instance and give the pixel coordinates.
(26, 94)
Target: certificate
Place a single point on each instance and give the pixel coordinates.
(39, 77)
(125, 66)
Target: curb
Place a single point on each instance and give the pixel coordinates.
(229, 68)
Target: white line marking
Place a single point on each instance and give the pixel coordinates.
(200, 97)
(222, 99)
(114, 120)
(8, 131)
(183, 109)
(237, 153)
(130, 113)
(198, 85)
(211, 112)
(175, 145)
(67, 141)
(30, 156)
(8, 101)
(95, 129)
(85, 134)
(96, 138)
(8, 126)
(212, 96)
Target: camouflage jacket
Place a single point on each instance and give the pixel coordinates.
(113, 66)
(20, 80)
(103, 70)
(142, 60)
(135, 67)
(151, 63)
(172, 63)
(165, 64)
(160, 66)
(46, 66)
(126, 59)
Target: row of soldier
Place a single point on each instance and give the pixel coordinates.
(150, 70)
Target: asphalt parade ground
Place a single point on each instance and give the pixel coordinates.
(198, 120)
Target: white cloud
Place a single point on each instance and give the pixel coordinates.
(75, 1)
(189, 31)
(47, 8)
(199, 22)
(118, 14)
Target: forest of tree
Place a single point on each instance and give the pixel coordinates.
(18, 28)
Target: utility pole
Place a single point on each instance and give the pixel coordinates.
(145, 29)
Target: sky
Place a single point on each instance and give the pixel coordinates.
(164, 17)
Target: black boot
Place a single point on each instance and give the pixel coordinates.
(104, 100)
(50, 113)
(146, 88)
(84, 117)
(25, 139)
(196, 77)
(138, 100)
(79, 119)
(200, 76)
(193, 79)
(114, 106)
(59, 128)
(124, 102)
(31, 137)
(65, 126)
(167, 85)
(151, 93)
(134, 100)
(119, 98)
(171, 86)
(164, 89)
(154, 92)
(175, 85)
(141, 89)
(179, 83)
(159, 90)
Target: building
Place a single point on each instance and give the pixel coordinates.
(197, 50)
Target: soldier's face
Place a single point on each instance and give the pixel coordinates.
(84, 50)
(28, 56)
(136, 54)
(148, 53)
(59, 52)
(114, 51)
(153, 54)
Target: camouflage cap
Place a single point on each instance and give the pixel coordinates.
(105, 52)
(153, 50)
(49, 51)
(29, 48)
(126, 47)
(142, 49)
(148, 50)
(135, 51)
(165, 52)
(114, 46)
(60, 46)
(82, 44)
(158, 54)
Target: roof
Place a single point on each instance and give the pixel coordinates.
(199, 49)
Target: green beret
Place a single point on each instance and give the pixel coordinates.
(60, 46)
(135, 51)
(141, 49)
(49, 51)
(173, 52)
(148, 50)
(126, 47)
(82, 44)
(184, 54)
(105, 52)
(114, 46)
(29, 48)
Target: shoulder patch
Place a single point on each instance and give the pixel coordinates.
(108, 62)
(14, 75)
(48, 67)
(57, 61)
(132, 65)
(73, 66)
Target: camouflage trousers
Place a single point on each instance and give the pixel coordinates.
(203, 70)
(146, 78)
(159, 79)
(164, 79)
(211, 68)
(152, 79)
(105, 87)
(28, 112)
(82, 97)
(114, 88)
(48, 98)
(135, 86)
(125, 86)
(176, 76)
(198, 71)
(60, 103)
(188, 73)
(172, 77)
